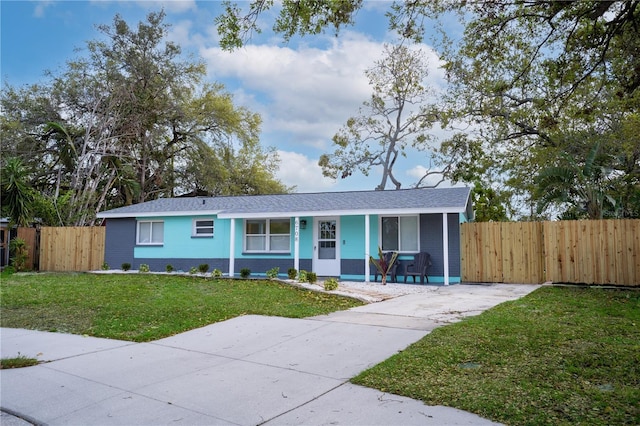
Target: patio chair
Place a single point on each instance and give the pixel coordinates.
(393, 273)
(419, 266)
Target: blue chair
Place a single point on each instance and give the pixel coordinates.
(419, 266)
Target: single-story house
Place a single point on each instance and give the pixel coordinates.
(331, 234)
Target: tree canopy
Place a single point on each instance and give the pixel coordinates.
(398, 115)
(131, 121)
(532, 82)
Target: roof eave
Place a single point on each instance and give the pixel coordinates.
(107, 215)
(320, 213)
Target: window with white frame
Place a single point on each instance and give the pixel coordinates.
(399, 233)
(150, 232)
(267, 235)
(202, 228)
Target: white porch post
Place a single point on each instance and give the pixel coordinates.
(445, 247)
(367, 226)
(296, 245)
(232, 248)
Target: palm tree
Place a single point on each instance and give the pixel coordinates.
(17, 198)
(583, 187)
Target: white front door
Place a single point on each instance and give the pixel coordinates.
(326, 247)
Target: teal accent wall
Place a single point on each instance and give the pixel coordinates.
(179, 244)
(306, 239)
(352, 236)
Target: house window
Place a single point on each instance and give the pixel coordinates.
(399, 233)
(150, 232)
(202, 228)
(267, 235)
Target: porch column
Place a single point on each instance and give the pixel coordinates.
(232, 248)
(445, 247)
(367, 227)
(296, 245)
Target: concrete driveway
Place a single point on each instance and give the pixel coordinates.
(250, 370)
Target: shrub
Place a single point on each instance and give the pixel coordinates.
(245, 272)
(125, 266)
(331, 284)
(143, 267)
(302, 276)
(312, 277)
(273, 272)
(203, 268)
(105, 266)
(169, 268)
(291, 273)
(217, 273)
(193, 270)
(20, 250)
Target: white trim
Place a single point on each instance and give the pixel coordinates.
(296, 244)
(367, 254)
(150, 243)
(327, 213)
(173, 213)
(232, 248)
(326, 267)
(267, 236)
(194, 226)
(380, 217)
(445, 247)
(279, 215)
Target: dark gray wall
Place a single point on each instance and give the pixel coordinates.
(160, 264)
(120, 239)
(257, 266)
(431, 242)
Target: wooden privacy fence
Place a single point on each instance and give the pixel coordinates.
(590, 252)
(77, 248)
(30, 238)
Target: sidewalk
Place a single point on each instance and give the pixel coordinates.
(249, 370)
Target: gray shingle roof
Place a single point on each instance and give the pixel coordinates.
(425, 200)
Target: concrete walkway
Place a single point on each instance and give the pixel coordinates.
(250, 370)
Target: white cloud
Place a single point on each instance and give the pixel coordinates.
(40, 8)
(173, 6)
(299, 170)
(307, 93)
(418, 172)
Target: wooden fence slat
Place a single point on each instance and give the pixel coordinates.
(71, 248)
(29, 237)
(591, 252)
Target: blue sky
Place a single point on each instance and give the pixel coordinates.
(304, 90)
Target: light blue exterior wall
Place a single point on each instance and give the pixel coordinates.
(180, 244)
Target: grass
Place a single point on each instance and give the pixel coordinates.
(560, 356)
(17, 362)
(145, 307)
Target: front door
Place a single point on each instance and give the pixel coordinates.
(326, 248)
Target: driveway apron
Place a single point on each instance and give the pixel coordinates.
(250, 370)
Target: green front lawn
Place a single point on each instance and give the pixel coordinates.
(144, 307)
(560, 356)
